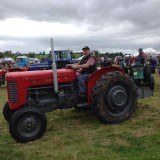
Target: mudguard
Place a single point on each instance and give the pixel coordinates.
(97, 75)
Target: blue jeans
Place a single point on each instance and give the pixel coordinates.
(81, 79)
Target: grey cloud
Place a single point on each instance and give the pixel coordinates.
(139, 18)
(43, 43)
(140, 13)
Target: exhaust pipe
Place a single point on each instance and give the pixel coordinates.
(54, 68)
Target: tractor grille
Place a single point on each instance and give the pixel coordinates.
(13, 91)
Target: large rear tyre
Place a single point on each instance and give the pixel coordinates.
(7, 113)
(151, 86)
(27, 124)
(148, 78)
(114, 98)
(147, 74)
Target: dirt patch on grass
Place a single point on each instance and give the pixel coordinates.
(143, 131)
(117, 140)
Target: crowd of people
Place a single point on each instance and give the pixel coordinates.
(6, 63)
(105, 61)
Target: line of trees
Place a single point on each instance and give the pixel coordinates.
(14, 55)
(43, 55)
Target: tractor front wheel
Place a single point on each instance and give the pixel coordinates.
(114, 97)
(27, 124)
(7, 113)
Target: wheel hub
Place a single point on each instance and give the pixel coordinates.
(28, 124)
(117, 98)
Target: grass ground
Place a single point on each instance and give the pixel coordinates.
(74, 135)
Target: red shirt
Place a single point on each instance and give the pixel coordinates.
(91, 61)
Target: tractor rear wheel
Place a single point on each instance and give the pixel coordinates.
(151, 86)
(147, 74)
(27, 124)
(114, 97)
(148, 78)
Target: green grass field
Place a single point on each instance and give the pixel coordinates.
(75, 135)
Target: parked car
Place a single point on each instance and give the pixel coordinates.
(22, 61)
(33, 60)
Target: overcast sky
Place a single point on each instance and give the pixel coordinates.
(106, 25)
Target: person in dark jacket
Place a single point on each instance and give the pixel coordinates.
(86, 66)
(153, 64)
(140, 57)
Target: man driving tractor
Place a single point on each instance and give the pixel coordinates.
(86, 66)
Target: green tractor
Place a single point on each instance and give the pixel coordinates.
(142, 75)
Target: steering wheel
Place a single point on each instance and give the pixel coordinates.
(77, 70)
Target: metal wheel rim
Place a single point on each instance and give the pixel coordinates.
(29, 125)
(117, 100)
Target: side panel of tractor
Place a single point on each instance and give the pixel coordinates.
(19, 82)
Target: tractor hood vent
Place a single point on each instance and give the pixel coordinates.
(13, 91)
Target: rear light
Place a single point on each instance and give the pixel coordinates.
(13, 91)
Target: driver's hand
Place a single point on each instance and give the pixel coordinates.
(74, 66)
(68, 66)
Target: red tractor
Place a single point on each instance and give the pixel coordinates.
(111, 93)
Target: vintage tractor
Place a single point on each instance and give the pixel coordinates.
(141, 74)
(111, 93)
(62, 57)
(22, 61)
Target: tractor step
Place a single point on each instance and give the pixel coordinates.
(83, 105)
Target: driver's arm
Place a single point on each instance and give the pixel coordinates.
(91, 61)
(80, 66)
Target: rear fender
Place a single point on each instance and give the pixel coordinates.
(97, 75)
